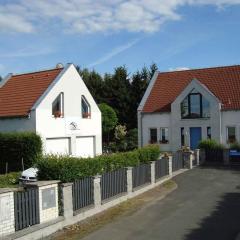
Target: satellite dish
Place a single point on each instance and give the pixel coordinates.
(59, 65)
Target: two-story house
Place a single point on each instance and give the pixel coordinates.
(181, 108)
(57, 105)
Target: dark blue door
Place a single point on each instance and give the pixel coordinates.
(195, 137)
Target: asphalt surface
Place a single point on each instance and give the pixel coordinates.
(206, 206)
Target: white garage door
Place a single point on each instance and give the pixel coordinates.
(85, 146)
(58, 146)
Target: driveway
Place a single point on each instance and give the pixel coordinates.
(206, 206)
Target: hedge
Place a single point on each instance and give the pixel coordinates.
(18, 147)
(210, 144)
(9, 180)
(68, 169)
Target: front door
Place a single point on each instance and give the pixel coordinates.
(195, 137)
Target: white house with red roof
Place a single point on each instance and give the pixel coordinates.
(56, 104)
(181, 108)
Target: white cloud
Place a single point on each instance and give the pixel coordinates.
(87, 16)
(113, 53)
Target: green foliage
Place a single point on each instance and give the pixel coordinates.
(109, 118)
(68, 169)
(132, 139)
(235, 146)
(210, 144)
(15, 147)
(9, 180)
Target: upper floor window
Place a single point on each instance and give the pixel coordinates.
(195, 106)
(231, 134)
(57, 106)
(86, 110)
(164, 139)
(153, 135)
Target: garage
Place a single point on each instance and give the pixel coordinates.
(59, 146)
(85, 146)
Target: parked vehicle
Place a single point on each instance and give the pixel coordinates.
(29, 175)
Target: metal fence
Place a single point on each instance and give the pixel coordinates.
(26, 208)
(161, 168)
(113, 183)
(214, 155)
(141, 175)
(83, 193)
(177, 161)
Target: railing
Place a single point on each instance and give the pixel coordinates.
(177, 161)
(141, 175)
(26, 208)
(113, 183)
(161, 167)
(82, 193)
(214, 155)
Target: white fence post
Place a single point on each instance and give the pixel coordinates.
(226, 158)
(153, 177)
(202, 156)
(197, 156)
(170, 159)
(97, 191)
(67, 200)
(129, 180)
(7, 218)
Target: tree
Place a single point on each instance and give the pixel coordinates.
(109, 120)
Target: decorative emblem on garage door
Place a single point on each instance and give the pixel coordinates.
(74, 126)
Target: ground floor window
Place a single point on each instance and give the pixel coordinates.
(209, 133)
(231, 134)
(164, 138)
(182, 137)
(153, 135)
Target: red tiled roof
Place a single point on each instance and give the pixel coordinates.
(223, 82)
(20, 92)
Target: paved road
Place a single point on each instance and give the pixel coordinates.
(206, 206)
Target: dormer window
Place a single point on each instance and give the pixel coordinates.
(195, 106)
(57, 106)
(86, 110)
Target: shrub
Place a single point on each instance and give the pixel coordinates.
(210, 144)
(132, 139)
(9, 180)
(68, 169)
(15, 147)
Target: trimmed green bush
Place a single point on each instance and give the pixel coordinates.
(68, 169)
(235, 146)
(15, 147)
(9, 180)
(210, 144)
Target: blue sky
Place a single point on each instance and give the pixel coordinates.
(105, 34)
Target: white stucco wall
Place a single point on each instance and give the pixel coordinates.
(18, 124)
(73, 88)
(155, 120)
(230, 119)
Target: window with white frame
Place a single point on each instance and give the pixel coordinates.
(164, 138)
(153, 135)
(57, 106)
(86, 110)
(231, 134)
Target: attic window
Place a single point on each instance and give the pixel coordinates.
(57, 106)
(86, 110)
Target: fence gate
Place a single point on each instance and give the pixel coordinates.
(82, 193)
(26, 208)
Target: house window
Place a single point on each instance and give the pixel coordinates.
(182, 137)
(86, 111)
(153, 135)
(164, 139)
(209, 133)
(231, 134)
(195, 106)
(57, 106)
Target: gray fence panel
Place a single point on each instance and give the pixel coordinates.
(113, 183)
(26, 208)
(177, 161)
(141, 175)
(161, 168)
(82, 193)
